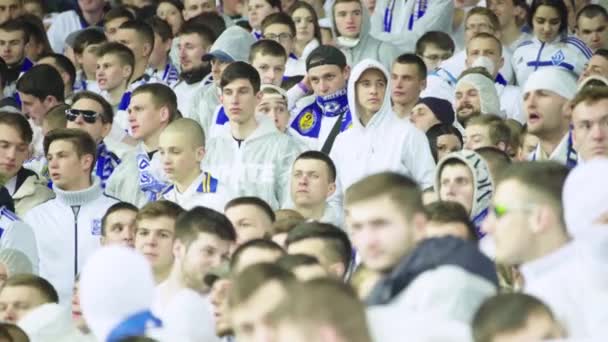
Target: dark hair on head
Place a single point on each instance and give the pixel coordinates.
(591, 11)
(241, 70)
(323, 157)
(3, 72)
(438, 38)
(558, 5)
(157, 209)
(264, 244)
(590, 96)
(338, 247)
(266, 47)
(601, 52)
(494, 156)
(313, 13)
(36, 31)
(162, 96)
(82, 141)
(161, 28)
(88, 37)
(410, 58)
(498, 131)
(176, 3)
(244, 24)
(13, 25)
(191, 223)
(19, 123)
(275, 4)
(42, 81)
(111, 210)
(451, 212)
(55, 117)
(248, 281)
(504, 313)
(107, 115)
(213, 21)
(63, 63)
(15, 333)
(438, 130)
(280, 18)
(254, 201)
(43, 286)
(203, 31)
(124, 54)
(143, 29)
(118, 12)
(292, 261)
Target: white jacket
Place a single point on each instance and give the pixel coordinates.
(51, 322)
(185, 95)
(511, 102)
(18, 235)
(68, 229)
(386, 143)
(570, 53)
(260, 167)
(205, 191)
(456, 64)
(63, 24)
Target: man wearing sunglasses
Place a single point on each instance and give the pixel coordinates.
(93, 114)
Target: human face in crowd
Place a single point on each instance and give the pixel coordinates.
(111, 27)
(456, 184)
(270, 68)
(77, 317)
(160, 52)
(406, 83)
(422, 117)
(145, 120)
(477, 23)
(476, 136)
(538, 327)
(97, 130)
(310, 183)
(154, 239)
(544, 112)
(318, 248)
(111, 73)
(467, 101)
(169, 13)
(486, 47)
(208, 251)
(120, 228)
(275, 107)
(88, 60)
(249, 221)
(305, 28)
(447, 144)
(590, 129)
(34, 9)
(281, 34)
(12, 46)
(14, 151)
(254, 255)
(597, 65)
(91, 5)
(529, 145)
(593, 32)
(221, 310)
(67, 170)
(191, 49)
(239, 101)
(545, 23)
(34, 108)
(249, 319)
(370, 89)
(179, 156)
(504, 10)
(192, 8)
(257, 11)
(17, 301)
(380, 232)
(9, 9)
(327, 79)
(131, 39)
(348, 18)
(433, 56)
(217, 67)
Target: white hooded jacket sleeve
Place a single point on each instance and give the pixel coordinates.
(16, 234)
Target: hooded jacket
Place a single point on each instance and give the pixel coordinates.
(30, 191)
(364, 46)
(51, 322)
(15, 262)
(204, 104)
(386, 143)
(483, 184)
(18, 235)
(260, 166)
(488, 96)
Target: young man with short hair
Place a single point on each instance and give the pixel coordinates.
(115, 65)
(13, 43)
(433, 48)
(591, 25)
(449, 218)
(264, 155)
(597, 66)
(118, 225)
(10, 9)
(155, 235)
(139, 178)
(66, 69)
(269, 58)
(281, 28)
(86, 48)
(408, 76)
(255, 252)
(590, 123)
(511, 34)
(113, 19)
(160, 65)
(23, 293)
(257, 11)
(487, 130)
(88, 13)
(182, 148)
(68, 227)
(251, 217)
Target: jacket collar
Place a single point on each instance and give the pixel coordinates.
(80, 197)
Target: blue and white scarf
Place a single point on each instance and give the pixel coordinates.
(308, 121)
(106, 163)
(151, 179)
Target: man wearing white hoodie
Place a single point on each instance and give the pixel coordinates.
(249, 153)
(364, 149)
(474, 95)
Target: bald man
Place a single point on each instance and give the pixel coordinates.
(181, 147)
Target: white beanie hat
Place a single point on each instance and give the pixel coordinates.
(585, 196)
(15, 261)
(557, 80)
(489, 100)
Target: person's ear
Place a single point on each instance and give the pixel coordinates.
(105, 129)
(86, 162)
(337, 269)
(200, 153)
(127, 70)
(501, 63)
(567, 111)
(147, 49)
(501, 145)
(346, 72)
(331, 189)
(165, 115)
(179, 250)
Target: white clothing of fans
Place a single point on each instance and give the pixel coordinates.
(205, 191)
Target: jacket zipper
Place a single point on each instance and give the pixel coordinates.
(540, 51)
(75, 211)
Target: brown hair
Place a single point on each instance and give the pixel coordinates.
(83, 143)
(55, 117)
(38, 283)
(498, 130)
(19, 123)
(162, 96)
(158, 209)
(590, 95)
(487, 13)
(247, 282)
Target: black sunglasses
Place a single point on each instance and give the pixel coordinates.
(88, 116)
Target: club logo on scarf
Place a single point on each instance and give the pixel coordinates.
(307, 122)
(96, 227)
(558, 58)
(332, 106)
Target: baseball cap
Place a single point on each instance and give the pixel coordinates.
(231, 46)
(325, 55)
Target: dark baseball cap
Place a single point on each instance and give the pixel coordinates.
(325, 55)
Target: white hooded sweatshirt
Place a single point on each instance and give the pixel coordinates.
(386, 143)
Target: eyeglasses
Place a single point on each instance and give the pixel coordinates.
(88, 116)
(283, 37)
(501, 210)
(437, 58)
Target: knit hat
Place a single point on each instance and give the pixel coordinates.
(557, 80)
(15, 261)
(489, 100)
(231, 46)
(442, 109)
